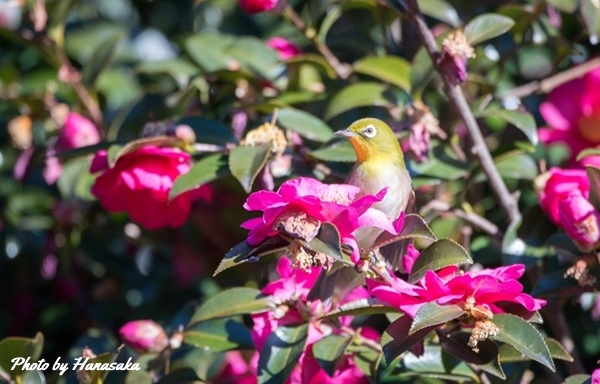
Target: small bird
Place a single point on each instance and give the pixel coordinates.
(379, 164)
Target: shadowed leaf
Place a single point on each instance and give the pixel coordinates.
(218, 335)
(244, 253)
(456, 344)
(594, 176)
(370, 306)
(281, 352)
(231, 302)
(356, 95)
(438, 255)
(397, 340)
(391, 69)
(245, 162)
(433, 314)
(203, 171)
(413, 227)
(329, 350)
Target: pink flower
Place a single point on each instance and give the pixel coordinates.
(300, 206)
(580, 220)
(77, 132)
(236, 370)
(257, 6)
(346, 371)
(144, 336)
(489, 290)
(456, 51)
(572, 112)
(139, 183)
(556, 185)
(596, 376)
(284, 48)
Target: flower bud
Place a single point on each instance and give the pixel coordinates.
(257, 6)
(144, 336)
(77, 132)
(284, 48)
(580, 220)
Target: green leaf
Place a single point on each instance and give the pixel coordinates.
(245, 162)
(524, 337)
(76, 179)
(390, 69)
(231, 302)
(508, 353)
(102, 57)
(218, 335)
(591, 15)
(354, 96)
(370, 306)
(179, 69)
(244, 253)
(457, 345)
(433, 314)
(99, 375)
(340, 151)
(511, 165)
(203, 171)
(116, 151)
(367, 359)
(580, 378)
(82, 151)
(397, 339)
(281, 353)
(594, 176)
(438, 255)
(15, 347)
(441, 10)
(413, 227)
(432, 364)
(487, 26)
(329, 350)
(443, 164)
(315, 60)
(520, 119)
(305, 124)
(209, 130)
(557, 351)
(568, 6)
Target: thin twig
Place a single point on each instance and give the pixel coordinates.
(341, 69)
(456, 96)
(472, 218)
(549, 83)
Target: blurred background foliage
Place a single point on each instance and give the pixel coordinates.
(76, 273)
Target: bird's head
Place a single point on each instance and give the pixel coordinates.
(372, 139)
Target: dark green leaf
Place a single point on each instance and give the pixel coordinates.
(520, 119)
(304, 124)
(209, 131)
(243, 253)
(443, 164)
(391, 69)
(180, 69)
(356, 95)
(367, 359)
(512, 165)
(557, 351)
(594, 176)
(102, 58)
(218, 335)
(76, 180)
(82, 151)
(370, 306)
(231, 302)
(99, 375)
(441, 10)
(205, 170)
(245, 162)
(413, 227)
(433, 314)
(116, 151)
(487, 26)
(524, 337)
(457, 345)
(341, 151)
(182, 375)
(494, 368)
(327, 241)
(329, 350)
(281, 352)
(15, 347)
(438, 255)
(397, 340)
(315, 60)
(209, 50)
(432, 364)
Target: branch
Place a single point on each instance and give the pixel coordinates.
(456, 96)
(549, 83)
(472, 218)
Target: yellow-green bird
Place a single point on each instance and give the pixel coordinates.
(379, 164)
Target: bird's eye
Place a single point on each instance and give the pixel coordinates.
(370, 131)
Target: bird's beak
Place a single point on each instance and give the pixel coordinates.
(345, 133)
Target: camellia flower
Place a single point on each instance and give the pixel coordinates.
(139, 183)
(456, 51)
(423, 124)
(581, 221)
(77, 132)
(257, 6)
(290, 306)
(299, 206)
(284, 48)
(572, 111)
(144, 336)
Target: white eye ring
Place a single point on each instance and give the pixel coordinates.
(369, 131)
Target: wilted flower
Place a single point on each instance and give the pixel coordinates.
(139, 183)
(572, 111)
(144, 336)
(423, 124)
(300, 205)
(285, 49)
(456, 51)
(257, 6)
